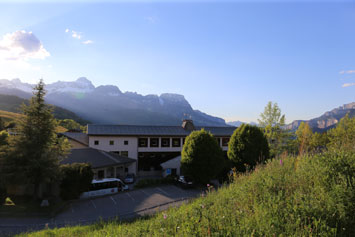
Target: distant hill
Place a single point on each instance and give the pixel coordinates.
(108, 105)
(326, 121)
(238, 123)
(13, 104)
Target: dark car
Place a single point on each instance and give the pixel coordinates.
(185, 182)
(129, 179)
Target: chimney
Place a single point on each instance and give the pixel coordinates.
(188, 125)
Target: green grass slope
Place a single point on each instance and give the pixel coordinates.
(13, 104)
(303, 196)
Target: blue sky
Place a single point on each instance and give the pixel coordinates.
(228, 58)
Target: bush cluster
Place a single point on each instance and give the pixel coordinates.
(76, 178)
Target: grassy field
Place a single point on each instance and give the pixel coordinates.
(9, 116)
(292, 196)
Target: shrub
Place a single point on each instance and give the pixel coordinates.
(9, 202)
(201, 157)
(143, 183)
(76, 178)
(247, 147)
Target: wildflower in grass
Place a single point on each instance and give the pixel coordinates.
(208, 185)
(165, 216)
(281, 162)
(202, 206)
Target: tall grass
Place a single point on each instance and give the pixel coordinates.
(292, 196)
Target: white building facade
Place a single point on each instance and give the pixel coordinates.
(149, 145)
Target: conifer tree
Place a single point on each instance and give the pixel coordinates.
(34, 154)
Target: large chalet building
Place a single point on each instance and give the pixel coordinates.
(149, 146)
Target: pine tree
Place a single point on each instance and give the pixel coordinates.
(34, 154)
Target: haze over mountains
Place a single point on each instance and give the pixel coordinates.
(107, 104)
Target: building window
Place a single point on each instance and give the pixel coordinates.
(126, 170)
(140, 155)
(116, 152)
(143, 142)
(218, 141)
(154, 142)
(124, 153)
(125, 142)
(225, 141)
(112, 143)
(96, 142)
(176, 142)
(101, 174)
(165, 142)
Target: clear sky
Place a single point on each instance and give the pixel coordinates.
(227, 58)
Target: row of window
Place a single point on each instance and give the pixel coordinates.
(165, 142)
(111, 142)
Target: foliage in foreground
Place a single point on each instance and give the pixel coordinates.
(247, 147)
(76, 178)
(300, 196)
(201, 157)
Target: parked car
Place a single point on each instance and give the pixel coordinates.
(129, 179)
(185, 182)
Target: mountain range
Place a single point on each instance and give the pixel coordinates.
(238, 123)
(326, 121)
(108, 105)
(320, 124)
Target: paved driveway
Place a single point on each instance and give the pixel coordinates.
(122, 205)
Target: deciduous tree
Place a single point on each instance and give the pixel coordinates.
(201, 157)
(343, 135)
(247, 147)
(304, 137)
(273, 124)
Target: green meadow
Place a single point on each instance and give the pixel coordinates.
(310, 195)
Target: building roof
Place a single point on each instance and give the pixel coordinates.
(80, 137)
(171, 163)
(139, 130)
(96, 158)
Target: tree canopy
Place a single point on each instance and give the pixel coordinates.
(201, 157)
(343, 135)
(273, 124)
(247, 147)
(304, 137)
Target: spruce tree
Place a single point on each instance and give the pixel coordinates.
(34, 154)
